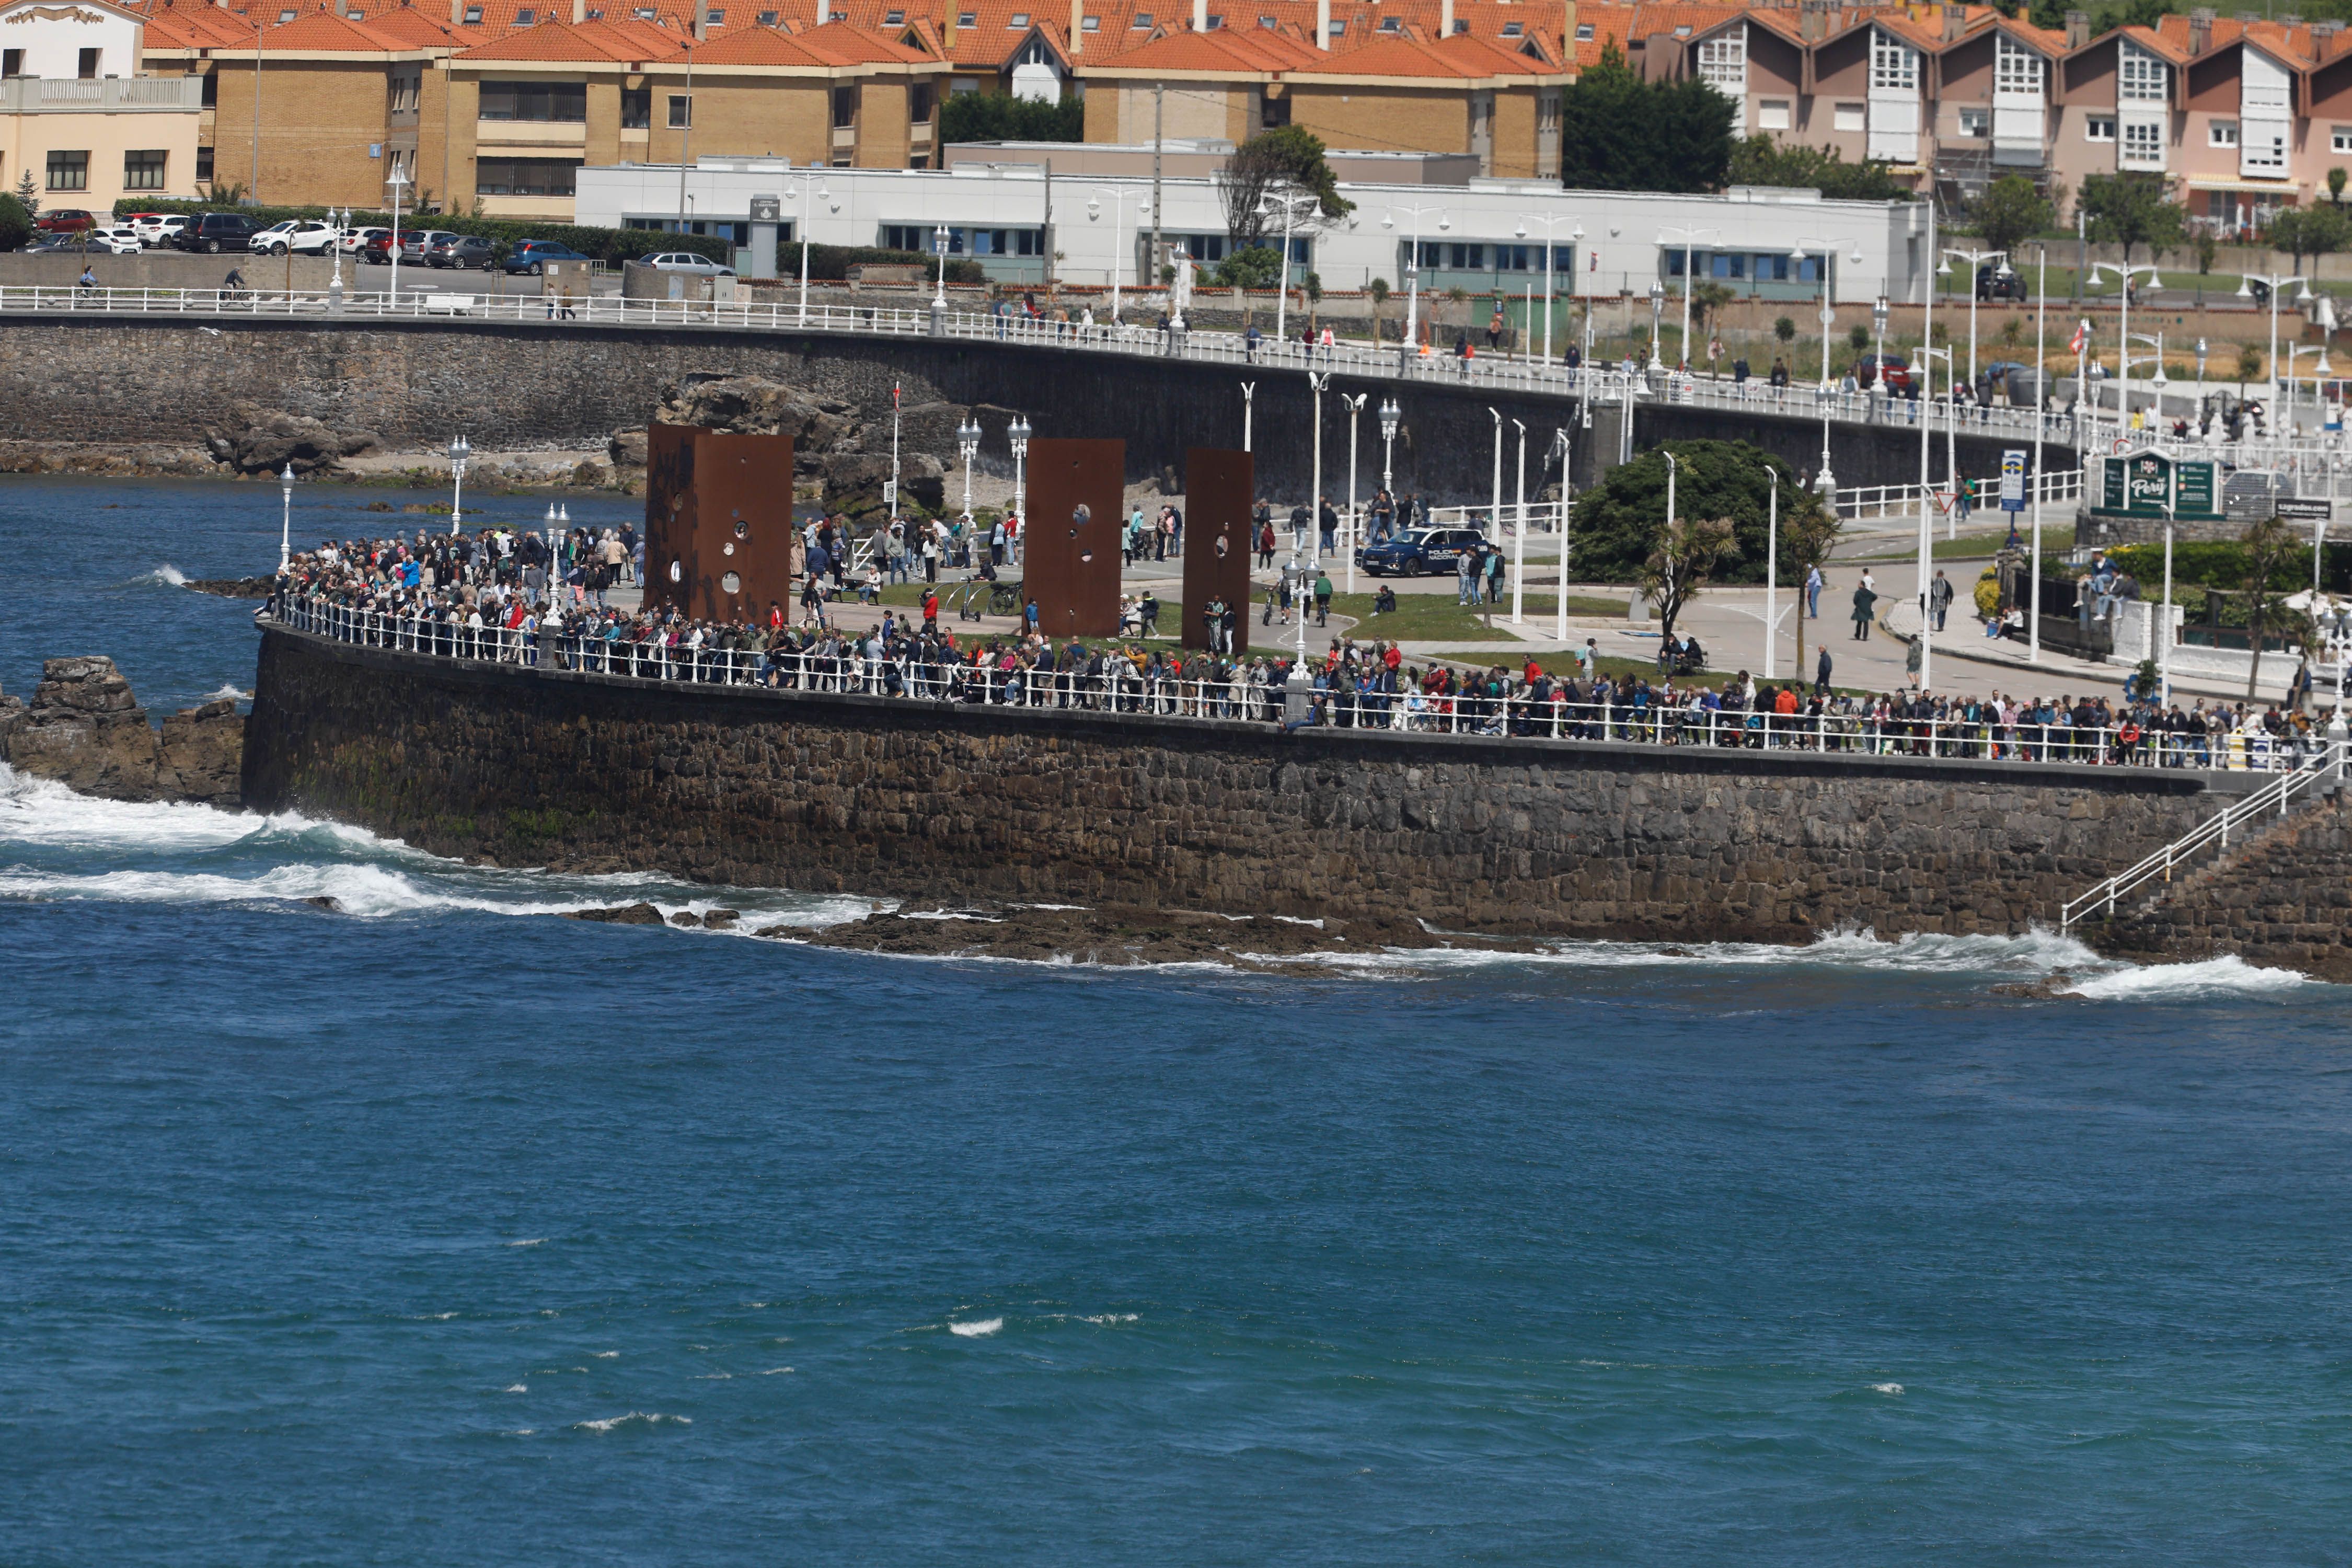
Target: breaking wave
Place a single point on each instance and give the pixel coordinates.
(168, 574)
(978, 1329)
(633, 1419)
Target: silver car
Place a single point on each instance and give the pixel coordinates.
(687, 261)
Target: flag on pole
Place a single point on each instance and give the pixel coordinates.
(2082, 336)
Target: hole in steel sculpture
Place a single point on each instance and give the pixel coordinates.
(742, 529)
(728, 548)
(731, 583)
(677, 573)
(1221, 547)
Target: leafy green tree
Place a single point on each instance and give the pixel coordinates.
(1287, 160)
(2335, 178)
(2269, 543)
(1681, 561)
(1760, 160)
(15, 222)
(1784, 329)
(2309, 231)
(2010, 211)
(2130, 210)
(1618, 521)
(1000, 117)
(1706, 298)
(1618, 132)
(1251, 267)
(28, 192)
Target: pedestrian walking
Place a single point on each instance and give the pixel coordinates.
(1864, 607)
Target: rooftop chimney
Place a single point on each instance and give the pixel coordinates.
(1077, 25)
(1199, 15)
(1323, 23)
(1812, 20)
(579, 12)
(1955, 21)
(2078, 28)
(2200, 31)
(1445, 20)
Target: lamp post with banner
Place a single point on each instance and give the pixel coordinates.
(1561, 447)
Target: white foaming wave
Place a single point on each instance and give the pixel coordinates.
(978, 1329)
(2036, 952)
(2226, 976)
(41, 811)
(1109, 1318)
(229, 690)
(1886, 1388)
(714, 1377)
(606, 1355)
(633, 1419)
(527, 1241)
(774, 1370)
(517, 1388)
(167, 574)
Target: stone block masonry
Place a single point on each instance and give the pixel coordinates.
(515, 386)
(888, 797)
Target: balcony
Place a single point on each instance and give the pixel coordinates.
(105, 95)
(530, 133)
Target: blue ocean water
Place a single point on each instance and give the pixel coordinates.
(440, 1231)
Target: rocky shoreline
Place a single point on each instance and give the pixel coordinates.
(85, 728)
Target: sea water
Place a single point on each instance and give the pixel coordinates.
(440, 1230)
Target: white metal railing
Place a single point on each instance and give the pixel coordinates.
(1984, 495)
(2326, 763)
(609, 648)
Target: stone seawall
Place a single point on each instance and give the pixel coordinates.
(167, 381)
(874, 796)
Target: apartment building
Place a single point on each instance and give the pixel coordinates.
(79, 119)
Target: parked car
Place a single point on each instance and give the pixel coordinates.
(303, 236)
(1994, 378)
(463, 250)
(531, 255)
(1898, 372)
(159, 229)
(213, 232)
(65, 220)
(353, 241)
(413, 244)
(1998, 283)
(117, 238)
(1418, 551)
(687, 261)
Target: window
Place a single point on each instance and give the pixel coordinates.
(211, 94)
(1584, 32)
(401, 94)
(1019, 20)
(2140, 77)
(1773, 114)
(1274, 113)
(967, 19)
(204, 166)
(1090, 24)
(2143, 143)
(1142, 23)
(894, 18)
(2016, 69)
(560, 102)
(1391, 23)
(2099, 128)
(473, 15)
(1892, 65)
(2221, 133)
(1338, 28)
(87, 70)
(524, 176)
(1771, 269)
(1266, 21)
(1724, 266)
(768, 18)
(1849, 116)
(714, 18)
(1511, 29)
(918, 103)
(637, 108)
(1215, 22)
(69, 171)
(1975, 123)
(284, 17)
(1516, 258)
(844, 108)
(142, 171)
(1723, 62)
(526, 16)
(1467, 257)
(2339, 139)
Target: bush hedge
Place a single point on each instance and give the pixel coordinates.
(2222, 564)
(603, 244)
(831, 263)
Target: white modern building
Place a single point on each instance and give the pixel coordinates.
(1483, 235)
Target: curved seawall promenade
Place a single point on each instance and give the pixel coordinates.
(867, 794)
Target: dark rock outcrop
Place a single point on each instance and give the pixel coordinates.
(85, 728)
(833, 441)
(236, 587)
(619, 915)
(264, 442)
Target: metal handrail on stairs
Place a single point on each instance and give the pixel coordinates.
(2324, 765)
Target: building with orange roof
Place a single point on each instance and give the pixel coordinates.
(78, 119)
(1456, 94)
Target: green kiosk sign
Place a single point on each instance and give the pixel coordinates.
(2148, 484)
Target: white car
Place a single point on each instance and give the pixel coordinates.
(117, 239)
(687, 261)
(303, 236)
(352, 241)
(158, 229)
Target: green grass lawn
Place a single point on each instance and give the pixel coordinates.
(1433, 617)
(2055, 538)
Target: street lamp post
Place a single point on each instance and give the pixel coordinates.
(398, 181)
(1496, 515)
(968, 446)
(1019, 432)
(2123, 332)
(2040, 418)
(1974, 258)
(1318, 385)
(1249, 407)
(1689, 235)
(1657, 320)
(286, 516)
(1411, 268)
(2295, 352)
(1355, 407)
(808, 195)
(1291, 205)
(939, 244)
(2246, 281)
(1390, 415)
(1549, 223)
(2200, 385)
(1927, 357)
(1828, 249)
(460, 449)
(1772, 575)
(1519, 548)
(1560, 448)
(1879, 312)
(1667, 554)
(1121, 252)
